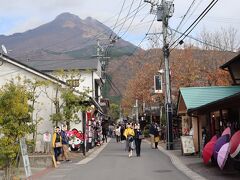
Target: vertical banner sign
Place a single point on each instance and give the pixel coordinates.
(25, 157)
(89, 116)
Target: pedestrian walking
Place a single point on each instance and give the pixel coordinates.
(138, 139)
(129, 134)
(65, 143)
(122, 133)
(118, 133)
(57, 144)
(104, 133)
(111, 130)
(156, 135)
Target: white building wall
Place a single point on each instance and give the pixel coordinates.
(87, 80)
(44, 107)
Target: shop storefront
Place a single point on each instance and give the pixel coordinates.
(208, 111)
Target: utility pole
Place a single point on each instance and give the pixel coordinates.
(164, 11)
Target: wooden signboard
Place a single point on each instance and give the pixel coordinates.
(187, 145)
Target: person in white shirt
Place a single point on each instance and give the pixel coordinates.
(46, 141)
(118, 133)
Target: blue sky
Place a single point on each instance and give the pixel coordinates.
(21, 15)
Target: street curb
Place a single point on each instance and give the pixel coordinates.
(179, 165)
(92, 155)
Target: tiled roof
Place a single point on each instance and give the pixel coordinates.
(234, 59)
(52, 65)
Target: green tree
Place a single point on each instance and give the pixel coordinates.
(114, 112)
(33, 87)
(73, 102)
(14, 122)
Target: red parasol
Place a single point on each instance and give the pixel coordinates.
(208, 149)
(235, 144)
(214, 138)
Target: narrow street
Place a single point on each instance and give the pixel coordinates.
(114, 163)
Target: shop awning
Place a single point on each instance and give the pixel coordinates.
(225, 103)
(193, 99)
(97, 105)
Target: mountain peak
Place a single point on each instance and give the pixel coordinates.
(67, 16)
(67, 32)
(68, 20)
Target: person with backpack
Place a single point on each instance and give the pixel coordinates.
(129, 134)
(65, 143)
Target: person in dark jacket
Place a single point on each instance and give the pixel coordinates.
(138, 139)
(122, 131)
(104, 133)
(65, 143)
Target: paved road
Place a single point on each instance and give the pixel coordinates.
(113, 163)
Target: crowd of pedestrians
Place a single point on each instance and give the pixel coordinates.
(129, 133)
(132, 135)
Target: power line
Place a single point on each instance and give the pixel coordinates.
(185, 35)
(106, 31)
(132, 19)
(148, 30)
(119, 14)
(205, 43)
(199, 18)
(113, 86)
(199, 3)
(137, 47)
(130, 8)
(188, 10)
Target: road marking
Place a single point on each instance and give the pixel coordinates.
(93, 155)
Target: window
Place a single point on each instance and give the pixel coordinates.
(73, 82)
